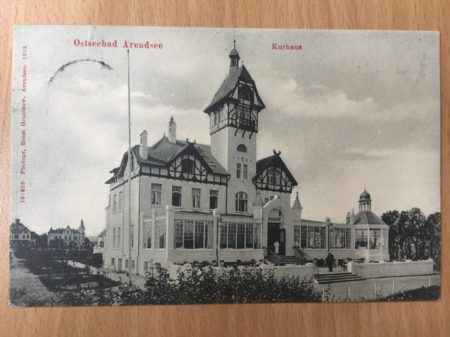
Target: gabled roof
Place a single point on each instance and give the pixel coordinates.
(229, 84)
(64, 230)
(163, 152)
(273, 161)
(367, 218)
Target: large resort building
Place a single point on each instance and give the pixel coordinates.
(219, 203)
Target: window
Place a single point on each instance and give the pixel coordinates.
(313, 237)
(231, 235)
(161, 227)
(277, 177)
(196, 192)
(126, 264)
(176, 196)
(244, 172)
(375, 238)
(238, 235)
(188, 238)
(156, 194)
(187, 166)
(190, 234)
(339, 238)
(241, 201)
(118, 237)
(360, 237)
(120, 202)
(145, 267)
(297, 236)
(238, 171)
(148, 233)
(114, 203)
(133, 264)
(213, 198)
(271, 176)
(114, 238)
(242, 148)
(178, 233)
(113, 262)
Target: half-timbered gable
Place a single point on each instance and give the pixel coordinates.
(272, 174)
(237, 102)
(181, 160)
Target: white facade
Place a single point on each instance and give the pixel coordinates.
(213, 203)
(66, 237)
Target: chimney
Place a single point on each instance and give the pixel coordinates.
(348, 218)
(143, 148)
(172, 131)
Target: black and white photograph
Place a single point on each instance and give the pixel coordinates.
(155, 165)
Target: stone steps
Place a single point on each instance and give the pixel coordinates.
(337, 277)
(282, 259)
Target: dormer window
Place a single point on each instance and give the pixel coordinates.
(242, 148)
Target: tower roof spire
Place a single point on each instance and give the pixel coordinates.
(234, 55)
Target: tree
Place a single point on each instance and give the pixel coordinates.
(434, 226)
(392, 218)
(412, 235)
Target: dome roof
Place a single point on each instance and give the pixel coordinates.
(234, 52)
(365, 196)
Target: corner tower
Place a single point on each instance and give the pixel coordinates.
(233, 114)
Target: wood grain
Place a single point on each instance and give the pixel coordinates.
(368, 319)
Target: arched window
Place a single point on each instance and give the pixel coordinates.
(245, 95)
(241, 202)
(242, 148)
(187, 166)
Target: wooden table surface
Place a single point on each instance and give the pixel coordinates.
(369, 319)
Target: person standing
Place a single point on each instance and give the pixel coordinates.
(276, 246)
(330, 262)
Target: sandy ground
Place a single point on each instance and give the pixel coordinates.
(26, 289)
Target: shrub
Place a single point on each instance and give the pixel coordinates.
(197, 285)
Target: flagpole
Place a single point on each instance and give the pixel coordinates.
(129, 172)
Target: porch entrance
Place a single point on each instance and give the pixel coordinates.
(274, 234)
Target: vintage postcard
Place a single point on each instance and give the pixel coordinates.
(157, 165)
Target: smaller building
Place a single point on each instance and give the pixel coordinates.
(99, 242)
(67, 237)
(20, 235)
(362, 237)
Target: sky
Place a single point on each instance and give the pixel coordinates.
(350, 110)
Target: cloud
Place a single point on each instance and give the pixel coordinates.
(366, 112)
(313, 100)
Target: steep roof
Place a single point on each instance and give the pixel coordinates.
(367, 218)
(229, 84)
(273, 161)
(18, 227)
(163, 152)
